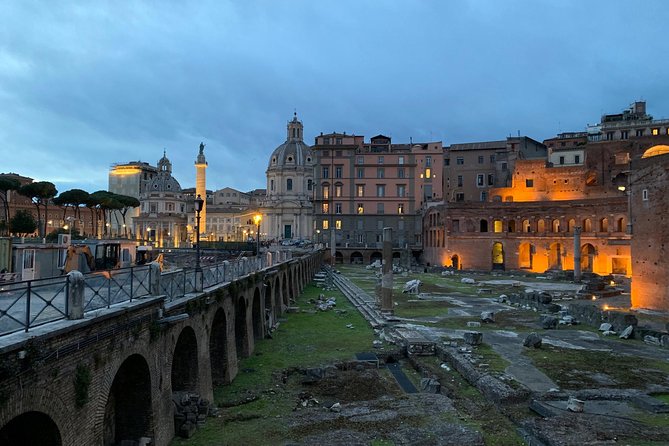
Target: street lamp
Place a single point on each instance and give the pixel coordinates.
(257, 218)
(199, 202)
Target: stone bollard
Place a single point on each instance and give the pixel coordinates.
(75, 296)
(154, 284)
(226, 271)
(244, 267)
(268, 257)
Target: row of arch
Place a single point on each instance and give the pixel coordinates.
(357, 257)
(196, 355)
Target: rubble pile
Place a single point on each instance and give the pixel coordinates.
(190, 412)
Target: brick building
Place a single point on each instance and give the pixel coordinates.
(362, 187)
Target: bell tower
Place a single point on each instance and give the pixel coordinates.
(201, 186)
(295, 129)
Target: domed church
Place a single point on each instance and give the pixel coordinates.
(287, 209)
(162, 219)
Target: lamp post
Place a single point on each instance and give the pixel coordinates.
(199, 202)
(257, 219)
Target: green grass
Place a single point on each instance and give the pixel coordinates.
(302, 340)
(574, 369)
(495, 362)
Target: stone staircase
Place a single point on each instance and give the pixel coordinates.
(362, 301)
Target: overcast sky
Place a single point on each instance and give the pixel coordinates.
(87, 84)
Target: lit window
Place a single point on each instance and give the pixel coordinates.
(326, 208)
(655, 132)
(337, 224)
(360, 190)
(361, 208)
(326, 191)
(428, 173)
(497, 226)
(400, 208)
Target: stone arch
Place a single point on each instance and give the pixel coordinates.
(497, 256)
(587, 225)
(339, 257)
(184, 362)
(541, 225)
(269, 303)
(128, 414)
(588, 254)
(604, 225)
(218, 348)
(356, 258)
(555, 225)
(376, 255)
(483, 225)
(455, 262)
(241, 329)
(525, 255)
(555, 256)
(31, 429)
(511, 227)
(527, 227)
(256, 315)
(660, 149)
(284, 290)
(571, 225)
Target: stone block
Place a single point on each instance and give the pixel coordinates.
(532, 340)
(473, 337)
(548, 322)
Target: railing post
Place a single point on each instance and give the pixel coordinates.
(28, 306)
(154, 279)
(226, 270)
(132, 281)
(75, 295)
(109, 289)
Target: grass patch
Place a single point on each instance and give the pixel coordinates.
(489, 356)
(575, 369)
(303, 339)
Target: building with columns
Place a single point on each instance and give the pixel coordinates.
(287, 209)
(129, 179)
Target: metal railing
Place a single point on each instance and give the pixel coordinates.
(28, 304)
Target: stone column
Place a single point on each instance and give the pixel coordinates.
(268, 256)
(333, 248)
(387, 272)
(577, 253)
(75, 295)
(226, 271)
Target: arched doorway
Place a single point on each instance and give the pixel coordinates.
(218, 348)
(525, 254)
(375, 256)
(483, 226)
(241, 333)
(184, 362)
(588, 253)
(356, 258)
(555, 256)
(128, 414)
(455, 262)
(30, 429)
(512, 226)
(256, 315)
(497, 256)
(339, 257)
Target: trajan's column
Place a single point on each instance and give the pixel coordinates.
(201, 187)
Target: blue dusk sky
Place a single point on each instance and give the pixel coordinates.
(86, 84)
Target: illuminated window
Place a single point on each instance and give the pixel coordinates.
(338, 190)
(326, 224)
(337, 208)
(655, 132)
(428, 173)
(400, 208)
(326, 191)
(360, 190)
(497, 226)
(361, 208)
(337, 224)
(326, 208)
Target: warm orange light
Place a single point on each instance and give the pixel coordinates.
(120, 171)
(257, 218)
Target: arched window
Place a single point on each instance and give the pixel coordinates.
(271, 184)
(483, 226)
(526, 226)
(498, 226)
(620, 225)
(289, 184)
(310, 184)
(604, 225)
(587, 225)
(541, 226)
(512, 226)
(572, 225)
(556, 225)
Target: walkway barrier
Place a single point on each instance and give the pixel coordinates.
(31, 303)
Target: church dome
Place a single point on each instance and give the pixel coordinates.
(164, 181)
(293, 152)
